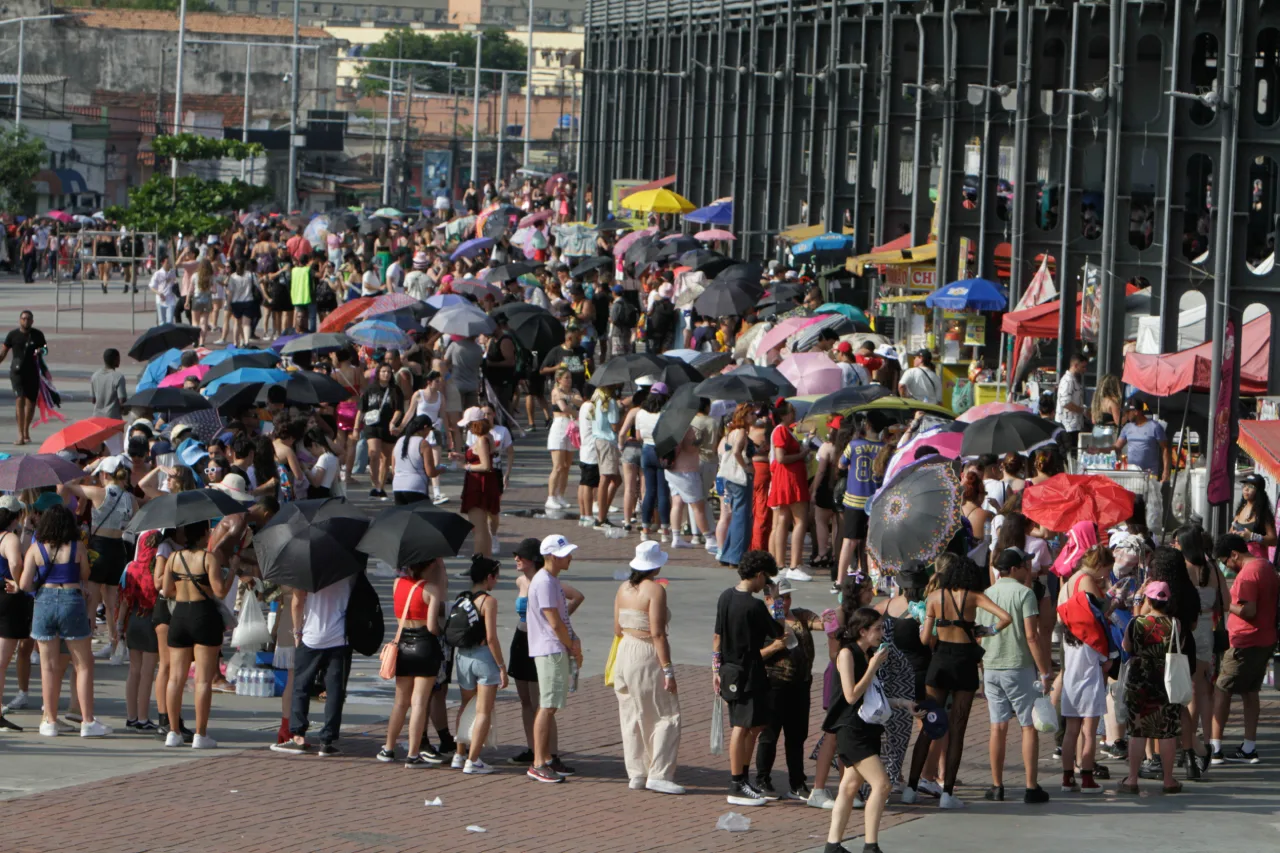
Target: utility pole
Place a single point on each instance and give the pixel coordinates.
(293, 113)
(528, 93)
(404, 145)
(475, 115)
(160, 93)
(560, 118)
(17, 95)
(502, 133)
(177, 89)
(244, 119)
(574, 130)
(386, 142)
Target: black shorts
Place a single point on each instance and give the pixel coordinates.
(407, 498)
(140, 635)
(195, 623)
(380, 431)
(749, 713)
(244, 310)
(855, 743)
(281, 300)
(112, 559)
(537, 385)
(824, 497)
(16, 610)
(519, 665)
(162, 614)
(954, 666)
(589, 475)
(25, 383)
(419, 654)
(855, 523)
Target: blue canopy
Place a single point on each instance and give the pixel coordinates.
(854, 313)
(972, 294)
(719, 212)
(220, 355)
(246, 374)
(829, 242)
(158, 368)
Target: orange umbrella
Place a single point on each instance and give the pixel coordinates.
(1064, 500)
(86, 434)
(346, 314)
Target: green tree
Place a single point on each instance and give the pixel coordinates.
(498, 51)
(149, 5)
(189, 204)
(21, 156)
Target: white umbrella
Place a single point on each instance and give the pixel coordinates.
(463, 319)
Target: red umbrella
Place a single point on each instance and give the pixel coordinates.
(1064, 500)
(86, 434)
(388, 302)
(346, 314)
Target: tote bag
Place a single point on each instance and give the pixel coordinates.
(1177, 670)
(390, 651)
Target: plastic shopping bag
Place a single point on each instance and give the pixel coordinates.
(1044, 716)
(717, 726)
(608, 666)
(251, 632)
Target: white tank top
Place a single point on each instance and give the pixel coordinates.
(645, 422)
(431, 410)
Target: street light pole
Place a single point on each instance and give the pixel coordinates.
(293, 114)
(475, 114)
(502, 133)
(244, 121)
(177, 89)
(528, 93)
(386, 143)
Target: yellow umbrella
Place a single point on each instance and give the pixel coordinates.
(658, 201)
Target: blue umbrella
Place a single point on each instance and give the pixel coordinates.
(972, 294)
(719, 212)
(444, 300)
(829, 242)
(246, 374)
(471, 247)
(221, 355)
(852, 312)
(158, 368)
(379, 333)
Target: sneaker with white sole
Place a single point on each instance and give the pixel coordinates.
(550, 503)
(117, 657)
(19, 701)
(858, 803)
(459, 761)
(712, 546)
(94, 729)
(440, 499)
(478, 768)
(662, 786)
(48, 729)
(909, 795)
(742, 794)
(104, 652)
(173, 739)
(636, 784)
(799, 575)
(203, 742)
(677, 542)
(930, 787)
(950, 801)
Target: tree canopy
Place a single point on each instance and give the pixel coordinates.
(21, 156)
(498, 50)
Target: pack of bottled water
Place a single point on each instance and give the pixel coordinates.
(256, 682)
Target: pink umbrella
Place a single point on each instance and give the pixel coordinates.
(60, 216)
(175, 380)
(477, 287)
(620, 248)
(986, 409)
(713, 234)
(778, 334)
(535, 218)
(388, 302)
(947, 444)
(812, 373)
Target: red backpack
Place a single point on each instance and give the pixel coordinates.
(139, 582)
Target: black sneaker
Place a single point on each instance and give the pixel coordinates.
(448, 746)
(995, 792)
(802, 793)
(145, 726)
(1242, 757)
(1036, 795)
(543, 774)
(742, 794)
(1117, 751)
(1101, 772)
(419, 762)
(329, 750)
(765, 787)
(524, 758)
(428, 754)
(1192, 763)
(560, 767)
(386, 756)
(8, 726)
(1216, 757)
(1204, 761)
(1057, 752)
(373, 493)
(292, 747)
(1151, 769)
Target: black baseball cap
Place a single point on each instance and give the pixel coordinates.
(1228, 544)
(529, 549)
(1010, 559)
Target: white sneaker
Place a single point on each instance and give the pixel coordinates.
(644, 536)
(551, 503)
(19, 702)
(477, 767)
(117, 657)
(677, 542)
(48, 729)
(495, 545)
(662, 786)
(95, 729)
(636, 784)
(799, 575)
(439, 499)
(202, 742)
(712, 546)
(950, 801)
(858, 803)
(909, 795)
(104, 652)
(173, 739)
(820, 799)
(459, 761)
(563, 504)
(930, 787)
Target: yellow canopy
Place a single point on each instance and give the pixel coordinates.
(914, 255)
(796, 233)
(659, 201)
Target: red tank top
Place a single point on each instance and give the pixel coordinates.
(417, 607)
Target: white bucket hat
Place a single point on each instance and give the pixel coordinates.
(649, 557)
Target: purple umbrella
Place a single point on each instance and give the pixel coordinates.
(471, 247)
(205, 423)
(281, 341)
(36, 471)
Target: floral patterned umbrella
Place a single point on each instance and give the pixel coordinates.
(915, 516)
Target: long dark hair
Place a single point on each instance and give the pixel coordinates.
(1190, 538)
(1169, 565)
(416, 425)
(856, 621)
(264, 459)
(1013, 532)
(1263, 514)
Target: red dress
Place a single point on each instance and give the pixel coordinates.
(481, 489)
(788, 484)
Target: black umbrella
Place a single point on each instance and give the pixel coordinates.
(310, 548)
(676, 246)
(705, 261)
(168, 399)
(674, 419)
(233, 399)
(510, 272)
(637, 249)
(257, 359)
(677, 373)
(157, 339)
(373, 225)
(772, 374)
(722, 299)
(534, 327)
(305, 388)
(414, 534)
(846, 398)
(317, 342)
(748, 273)
(408, 318)
(614, 225)
(589, 265)
(182, 508)
(710, 363)
(1010, 432)
(732, 386)
(781, 294)
(622, 369)
(915, 515)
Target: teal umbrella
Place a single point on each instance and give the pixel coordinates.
(854, 313)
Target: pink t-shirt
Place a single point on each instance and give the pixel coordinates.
(1257, 582)
(545, 593)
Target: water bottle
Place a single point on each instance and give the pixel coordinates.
(573, 676)
(239, 679)
(257, 683)
(262, 684)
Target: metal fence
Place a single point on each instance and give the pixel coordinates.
(82, 270)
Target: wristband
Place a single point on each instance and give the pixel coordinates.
(715, 662)
(669, 671)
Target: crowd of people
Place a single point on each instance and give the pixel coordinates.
(1067, 630)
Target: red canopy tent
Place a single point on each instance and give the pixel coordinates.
(1261, 440)
(1041, 321)
(1191, 369)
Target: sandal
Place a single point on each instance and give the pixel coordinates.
(1125, 787)
(1175, 788)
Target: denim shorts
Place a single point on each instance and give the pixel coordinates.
(60, 614)
(476, 666)
(1011, 693)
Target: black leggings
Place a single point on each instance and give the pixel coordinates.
(957, 723)
(788, 716)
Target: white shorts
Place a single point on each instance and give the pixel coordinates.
(558, 435)
(686, 485)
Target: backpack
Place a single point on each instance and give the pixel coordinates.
(662, 319)
(625, 315)
(465, 628)
(364, 618)
(524, 357)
